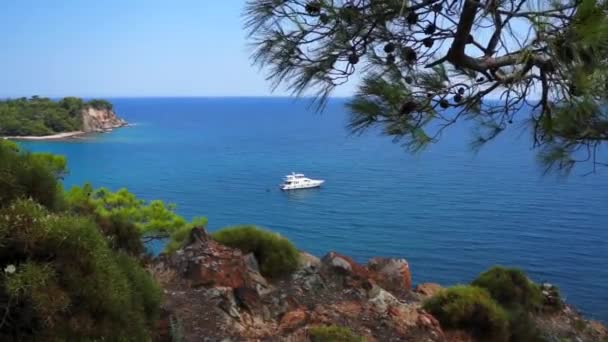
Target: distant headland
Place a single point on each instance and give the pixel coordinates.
(39, 118)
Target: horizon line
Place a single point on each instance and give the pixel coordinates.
(170, 96)
(294, 97)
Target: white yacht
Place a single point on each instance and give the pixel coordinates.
(299, 181)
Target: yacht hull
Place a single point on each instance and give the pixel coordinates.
(314, 184)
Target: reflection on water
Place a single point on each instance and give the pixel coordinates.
(301, 194)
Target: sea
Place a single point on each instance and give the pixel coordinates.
(450, 211)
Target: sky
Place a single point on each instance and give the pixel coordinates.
(113, 48)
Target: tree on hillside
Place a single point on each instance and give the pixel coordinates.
(66, 275)
(427, 64)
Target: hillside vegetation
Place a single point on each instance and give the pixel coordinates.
(72, 262)
(499, 305)
(39, 116)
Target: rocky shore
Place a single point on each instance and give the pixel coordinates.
(216, 293)
(100, 120)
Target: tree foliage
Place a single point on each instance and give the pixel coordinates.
(100, 104)
(427, 64)
(153, 220)
(28, 175)
(39, 116)
(65, 275)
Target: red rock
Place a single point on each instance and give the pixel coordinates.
(334, 313)
(309, 261)
(599, 328)
(219, 266)
(427, 320)
(162, 331)
(204, 262)
(429, 323)
(248, 298)
(458, 336)
(411, 321)
(391, 274)
(293, 320)
(343, 265)
(349, 309)
(428, 289)
(252, 262)
(322, 315)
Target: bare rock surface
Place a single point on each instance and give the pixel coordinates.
(100, 119)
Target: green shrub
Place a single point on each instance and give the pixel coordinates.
(511, 288)
(30, 175)
(276, 255)
(523, 328)
(333, 333)
(146, 294)
(472, 309)
(65, 283)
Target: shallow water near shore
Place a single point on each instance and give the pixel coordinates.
(451, 213)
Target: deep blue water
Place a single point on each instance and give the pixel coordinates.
(451, 213)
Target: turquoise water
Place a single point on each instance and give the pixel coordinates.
(449, 212)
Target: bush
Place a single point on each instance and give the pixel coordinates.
(276, 255)
(30, 175)
(63, 282)
(333, 333)
(511, 288)
(470, 308)
(146, 294)
(523, 328)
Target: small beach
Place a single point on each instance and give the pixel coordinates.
(64, 135)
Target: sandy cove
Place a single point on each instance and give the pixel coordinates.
(64, 135)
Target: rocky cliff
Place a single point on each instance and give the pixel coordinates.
(100, 119)
(216, 293)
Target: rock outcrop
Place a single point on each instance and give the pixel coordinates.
(216, 293)
(392, 274)
(100, 119)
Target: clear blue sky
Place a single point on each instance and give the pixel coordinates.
(127, 48)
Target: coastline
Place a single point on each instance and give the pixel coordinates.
(64, 135)
(61, 136)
